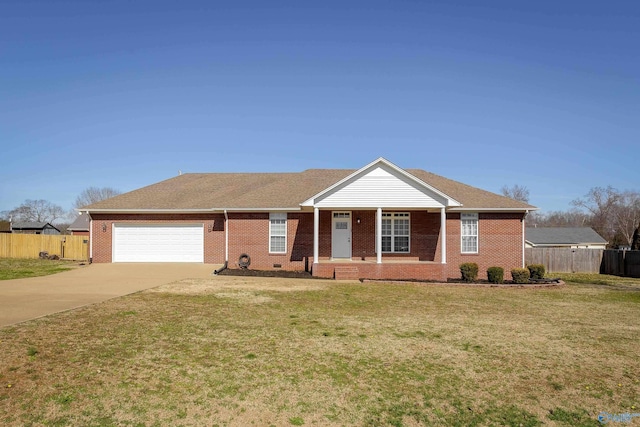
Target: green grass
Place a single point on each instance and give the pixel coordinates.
(257, 351)
(595, 279)
(15, 268)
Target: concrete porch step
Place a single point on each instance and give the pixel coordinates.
(346, 273)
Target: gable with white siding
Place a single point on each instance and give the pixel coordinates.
(381, 185)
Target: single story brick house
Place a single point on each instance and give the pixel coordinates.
(564, 237)
(80, 226)
(377, 222)
(34, 227)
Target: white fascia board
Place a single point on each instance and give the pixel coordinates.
(296, 209)
(463, 209)
(450, 201)
(151, 211)
(188, 211)
(554, 245)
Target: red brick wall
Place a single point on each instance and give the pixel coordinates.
(213, 240)
(397, 271)
(499, 243)
(249, 234)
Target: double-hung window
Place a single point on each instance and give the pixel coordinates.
(396, 232)
(469, 233)
(277, 233)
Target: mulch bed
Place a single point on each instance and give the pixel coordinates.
(539, 283)
(268, 273)
(451, 281)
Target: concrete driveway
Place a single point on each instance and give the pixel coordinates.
(25, 299)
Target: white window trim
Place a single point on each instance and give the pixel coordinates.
(277, 216)
(469, 217)
(386, 215)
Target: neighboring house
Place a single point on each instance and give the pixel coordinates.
(564, 237)
(33, 228)
(5, 227)
(80, 227)
(379, 222)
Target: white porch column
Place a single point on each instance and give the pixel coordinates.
(379, 236)
(443, 235)
(524, 264)
(316, 234)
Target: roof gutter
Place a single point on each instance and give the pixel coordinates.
(152, 211)
(187, 211)
(525, 210)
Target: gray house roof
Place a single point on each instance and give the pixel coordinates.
(563, 236)
(81, 223)
(5, 227)
(32, 226)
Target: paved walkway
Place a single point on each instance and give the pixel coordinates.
(25, 299)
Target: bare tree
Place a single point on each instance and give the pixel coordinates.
(571, 218)
(93, 195)
(635, 244)
(36, 211)
(626, 215)
(516, 192)
(614, 214)
(600, 202)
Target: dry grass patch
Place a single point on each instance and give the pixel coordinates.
(18, 268)
(217, 284)
(266, 351)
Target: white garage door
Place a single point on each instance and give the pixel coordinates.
(158, 243)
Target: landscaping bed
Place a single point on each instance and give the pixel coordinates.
(247, 272)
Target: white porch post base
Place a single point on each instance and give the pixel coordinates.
(316, 232)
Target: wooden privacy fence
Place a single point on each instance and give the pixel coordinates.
(30, 246)
(565, 260)
(621, 263)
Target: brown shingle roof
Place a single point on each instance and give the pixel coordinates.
(470, 197)
(199, 191)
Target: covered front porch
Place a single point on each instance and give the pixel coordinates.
(380, 222)
(380, 244)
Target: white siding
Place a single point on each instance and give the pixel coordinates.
(380, 187)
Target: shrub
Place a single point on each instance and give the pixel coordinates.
(537, 271)
(495, 274)
(469, 271)
(520, 275)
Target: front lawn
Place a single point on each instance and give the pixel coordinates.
(16, 268)
(243, 351)
(597, 279)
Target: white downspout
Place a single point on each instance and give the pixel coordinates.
(90, 237)
(316, 232)
(443, 236)
(226, 237)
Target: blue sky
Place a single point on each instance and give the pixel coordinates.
(124, 94)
